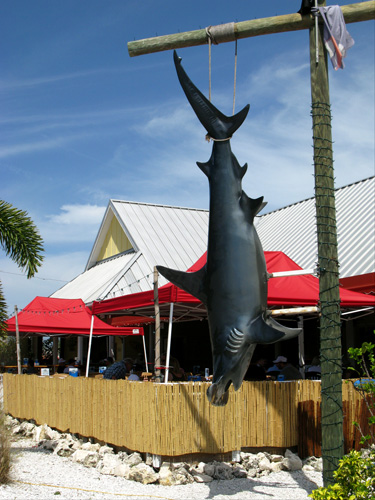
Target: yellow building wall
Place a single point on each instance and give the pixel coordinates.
(115, 241)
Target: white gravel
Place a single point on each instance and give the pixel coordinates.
(39, 474)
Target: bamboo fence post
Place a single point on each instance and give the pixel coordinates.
(363, 11)
(329, 295)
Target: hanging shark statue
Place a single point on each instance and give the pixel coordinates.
(233, 283)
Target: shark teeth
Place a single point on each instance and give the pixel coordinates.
(234, 341)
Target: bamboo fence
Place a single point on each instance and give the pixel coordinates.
(169, 419)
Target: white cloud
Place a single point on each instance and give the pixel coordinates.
(75, 223)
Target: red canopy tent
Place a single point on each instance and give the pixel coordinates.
(289, 291)
(60, 317)
(48, 316)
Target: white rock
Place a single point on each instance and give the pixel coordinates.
(49, 444)
(39, 433)
(166, 477)
(313, 463)
(63, 448)
(251, 472)
(223, 471)
(133, 459)
(50, 434)
(122, 470)
(169, 476)
(143, 473)
(197, 468)
(308, 468)
(108, 464)
(182, 476)
(86, 457)
(276, 458)
(104, 450)
(276, 466)
(27, 429)
(291, 461)
(251, 461)
(202, 478)
(264, 464)
(86, 446)
(16, 430)
(209, 469)
(10, 421)
(239, 472)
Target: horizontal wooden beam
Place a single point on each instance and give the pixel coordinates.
(353, 13)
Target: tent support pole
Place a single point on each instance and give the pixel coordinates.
(89, 349)
(169, 343)
(18, 350)
(157, 326)
(301, 347)
(145, 352)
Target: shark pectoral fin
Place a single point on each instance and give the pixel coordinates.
(250, 206)
(193, 283)
(264, 333)
(289, 333)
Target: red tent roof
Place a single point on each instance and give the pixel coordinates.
(288, 291)
(50, 316)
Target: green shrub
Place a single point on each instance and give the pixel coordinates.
(364, 358)
(5, 460)
(355, 479)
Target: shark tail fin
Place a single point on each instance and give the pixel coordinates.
(193, 283)
(218, 125)
(269, 331)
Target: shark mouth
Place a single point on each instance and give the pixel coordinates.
(217, 394)
(241, 353)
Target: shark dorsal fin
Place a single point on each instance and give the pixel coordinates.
(193, 283)
(251, 206)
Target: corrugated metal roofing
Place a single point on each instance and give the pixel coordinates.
(292, 230)
(92, 284)
(177, 237)
(170, 236)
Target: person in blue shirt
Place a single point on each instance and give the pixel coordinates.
(119, 370)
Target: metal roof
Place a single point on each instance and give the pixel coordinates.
(174, 237)
(292, 230)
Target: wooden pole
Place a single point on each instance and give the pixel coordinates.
(329, 295)
(157, 325)
(363, 11)
(18, 350)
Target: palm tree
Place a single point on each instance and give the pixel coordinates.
(21, 241)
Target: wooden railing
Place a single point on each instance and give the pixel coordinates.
(172, 419)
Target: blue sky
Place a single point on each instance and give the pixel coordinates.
(81, 122)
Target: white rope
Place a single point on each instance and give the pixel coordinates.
(235, 76)
(217, 34)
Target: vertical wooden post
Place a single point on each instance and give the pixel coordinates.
(18, 350)
(157, 324)
(329, 295)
